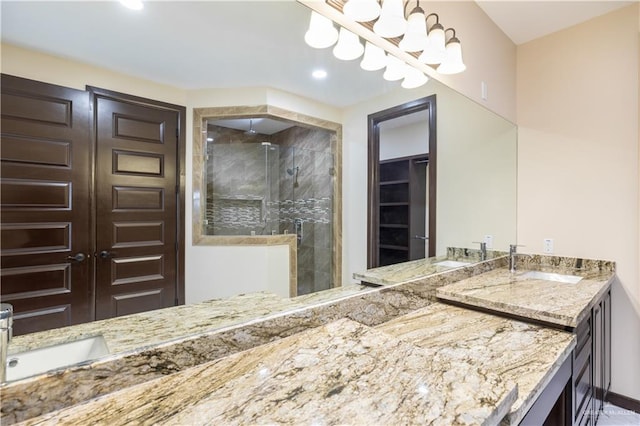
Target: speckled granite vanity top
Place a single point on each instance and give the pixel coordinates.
(526, 354)
(133, 332)
(516, 293)
(343, 372)
(416, 269)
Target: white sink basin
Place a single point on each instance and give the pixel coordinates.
(37, 361)
(452, 263)
(550, 276)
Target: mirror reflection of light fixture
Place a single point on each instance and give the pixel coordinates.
(132, 4)
(374, 58)
(395, 69)
(413, 77)
(361, 10)
(415, 38)
(391, 22)
(435, 52)
(321, 32)
(453, 62)
(348, 46)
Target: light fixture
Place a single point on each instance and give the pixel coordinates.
(453, 62)
(395, 69)
(413, 77)
(319, 74)
(321, 32)
(361, 10)
(348, 46)
(415, 38)
(391, 22)
(435, 51)
(374, 58)
(132, 4)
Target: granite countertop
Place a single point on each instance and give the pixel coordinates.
(136, 331)
(523, 353)
(553, 302)
(337, 373)
(416, 269)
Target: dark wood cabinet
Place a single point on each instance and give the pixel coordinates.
(592, 363)
(587, 380)
(402, 195)
(601, 353)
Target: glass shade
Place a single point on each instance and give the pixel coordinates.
(361, 10)
(453, 62)
(413, 78)
(321, 32)
(391, 22)
(348, 46)
(415, 38)
(395, 69)
(374, 58)
(435, 52)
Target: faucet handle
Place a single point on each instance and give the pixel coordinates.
(6, 318)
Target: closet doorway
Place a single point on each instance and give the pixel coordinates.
(92, 204)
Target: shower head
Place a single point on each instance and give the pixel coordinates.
(295, 170)
(250, 131)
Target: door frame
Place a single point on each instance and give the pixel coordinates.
(373, 176)
(94, 94)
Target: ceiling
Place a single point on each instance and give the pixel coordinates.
(526, 20)
(221, 44)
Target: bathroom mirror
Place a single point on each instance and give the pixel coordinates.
(476, 147)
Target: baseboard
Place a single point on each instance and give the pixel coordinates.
(622, 401)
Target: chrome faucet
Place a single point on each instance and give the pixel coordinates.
(6, 332)
(513, 254)
(483, 250)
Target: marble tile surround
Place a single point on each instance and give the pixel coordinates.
(200, 115)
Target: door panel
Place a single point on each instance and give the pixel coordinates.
(45, 153)
(136, 184)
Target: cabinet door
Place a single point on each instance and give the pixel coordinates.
(606, 358)
(598, 352)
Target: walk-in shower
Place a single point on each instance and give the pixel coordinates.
(278, 183)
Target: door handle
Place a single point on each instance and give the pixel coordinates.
(79, 257)
(105, 254)
(419, 237)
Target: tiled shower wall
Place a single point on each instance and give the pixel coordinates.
(238, 201)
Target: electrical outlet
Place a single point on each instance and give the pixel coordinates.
(488, 240)
(547, 246)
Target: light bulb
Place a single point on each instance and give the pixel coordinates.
(374, 58)
(391, 22)
(321, 32)
(361, 10)
(348, 46)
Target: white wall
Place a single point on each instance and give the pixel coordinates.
(578, 177)
(404, 140)
(476, 174)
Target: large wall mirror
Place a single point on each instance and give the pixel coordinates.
(476, 165)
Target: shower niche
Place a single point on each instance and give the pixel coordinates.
(268, 177)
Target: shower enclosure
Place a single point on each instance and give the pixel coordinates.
(278, 185)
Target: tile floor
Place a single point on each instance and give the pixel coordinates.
(616, 416)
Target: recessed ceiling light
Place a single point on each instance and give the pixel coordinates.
(319, 74)
(132, 4)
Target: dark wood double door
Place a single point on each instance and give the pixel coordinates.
(91, 204)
